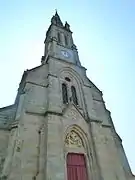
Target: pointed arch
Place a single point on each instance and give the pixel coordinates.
(72, 73)
(77, 162)
(76, 80)
(75, 137)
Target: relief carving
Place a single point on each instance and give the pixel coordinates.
(73, 139)
(73, 115)
(18, 145)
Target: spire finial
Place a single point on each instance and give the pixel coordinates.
(56, 11)
(56, 19)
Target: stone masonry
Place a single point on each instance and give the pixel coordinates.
(39, 130)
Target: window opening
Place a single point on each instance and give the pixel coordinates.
(59, 37)
(64, 93)
(67, 79)
(74, 95)
(66, 40)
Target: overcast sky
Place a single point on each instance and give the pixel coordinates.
(104, 32)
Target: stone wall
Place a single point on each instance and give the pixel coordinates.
(4, 136)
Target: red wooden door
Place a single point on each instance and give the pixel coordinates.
(76, 167)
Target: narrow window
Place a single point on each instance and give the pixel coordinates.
(74, 96)
(66, 40)
(64, 93)
(59, 37)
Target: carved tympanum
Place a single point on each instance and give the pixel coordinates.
(73, 139)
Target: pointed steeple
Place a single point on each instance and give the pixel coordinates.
(59, 42)
(56, 20)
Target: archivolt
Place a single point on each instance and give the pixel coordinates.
(75, 137)
(76, 79)
(71, 72)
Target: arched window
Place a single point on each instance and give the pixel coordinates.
(66, 40)
(59, 37)
(74, 96)
(64, 93)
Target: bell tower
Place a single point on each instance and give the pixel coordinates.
(59, 42)
(59, 127)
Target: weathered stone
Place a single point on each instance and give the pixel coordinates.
(38, 131)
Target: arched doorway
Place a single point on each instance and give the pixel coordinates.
(76, 167)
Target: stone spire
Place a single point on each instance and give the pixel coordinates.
(56, 20)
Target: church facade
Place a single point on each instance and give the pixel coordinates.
(59, 128)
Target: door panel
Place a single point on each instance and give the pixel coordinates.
(76, 167)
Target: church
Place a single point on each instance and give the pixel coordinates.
(59, 127)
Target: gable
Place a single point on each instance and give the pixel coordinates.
(72, 115)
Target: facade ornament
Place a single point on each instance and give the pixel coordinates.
(67, 26)
(72, 115)
(73, 139)
(18, 145)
